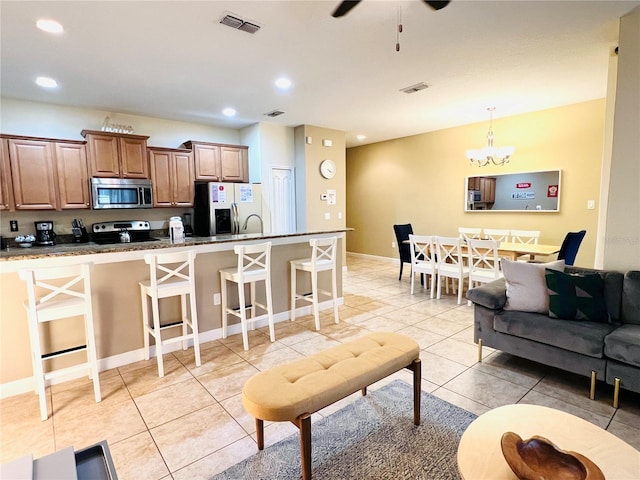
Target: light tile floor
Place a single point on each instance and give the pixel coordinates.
(191, 423)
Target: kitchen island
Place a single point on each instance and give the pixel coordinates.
(116, 295)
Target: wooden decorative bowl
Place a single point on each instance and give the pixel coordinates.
(539, 459)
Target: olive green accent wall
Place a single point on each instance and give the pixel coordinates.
(420, 179)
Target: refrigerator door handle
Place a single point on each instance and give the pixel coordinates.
(236, 220)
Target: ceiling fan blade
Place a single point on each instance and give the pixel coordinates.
(437, 5)
(345, 7)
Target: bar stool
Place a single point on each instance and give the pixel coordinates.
(254, 265)
(171, 275)
(323, 258)
(55, 293)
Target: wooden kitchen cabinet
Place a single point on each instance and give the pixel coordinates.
(33, 174)
(73, 180)
(486, 186)
(6, 195)
(117, 155)
(172, 177)
(46, 174)
(234, 164)
(218, 162)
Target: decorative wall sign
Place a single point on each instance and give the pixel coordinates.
(523, 185)
(552, 191)
(523, 195)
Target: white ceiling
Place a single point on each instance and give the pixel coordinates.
(172, 59)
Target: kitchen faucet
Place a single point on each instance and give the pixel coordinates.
(244, 227)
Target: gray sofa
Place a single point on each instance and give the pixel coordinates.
(608, 351)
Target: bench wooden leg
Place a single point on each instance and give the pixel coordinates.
(416, 368)
(303, 422)
(260, 433)
(364, 391)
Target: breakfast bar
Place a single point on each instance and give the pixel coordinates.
(116, 296)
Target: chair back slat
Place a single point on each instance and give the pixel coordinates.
(55, 283)
(253, 258)
(422, 249)
(483, 257)
(323, 250)
(449, 253)
(525, 236)
(166, 268)
(468, 232)
(497, 234)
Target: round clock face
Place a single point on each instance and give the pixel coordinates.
(328, 168)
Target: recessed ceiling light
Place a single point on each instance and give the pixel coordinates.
(229, 112)
(49, 26)
(46, 82)
(283, 83)
(361, 137)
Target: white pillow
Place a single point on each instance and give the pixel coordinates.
(526, 285)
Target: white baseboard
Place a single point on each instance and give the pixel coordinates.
(375, 257)
(27, 384)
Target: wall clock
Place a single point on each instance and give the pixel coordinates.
(328, 168)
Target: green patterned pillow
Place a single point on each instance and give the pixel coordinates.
(576, 296)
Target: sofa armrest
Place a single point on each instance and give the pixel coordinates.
(491, 295)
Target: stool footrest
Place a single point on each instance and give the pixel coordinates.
(171, 324)
(66, 351)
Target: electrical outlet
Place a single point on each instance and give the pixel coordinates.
(14, 225)
(216, 299)
(327, 216)
(393, 244)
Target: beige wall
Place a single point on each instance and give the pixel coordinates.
(621, 222)
(420, 179)
(310, 209)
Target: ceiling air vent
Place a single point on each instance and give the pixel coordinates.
(414, 88)
(238, 23)
(274, 113)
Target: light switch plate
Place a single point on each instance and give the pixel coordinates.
(327, 216)
(591, 204)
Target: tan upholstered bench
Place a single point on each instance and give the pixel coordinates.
(295, 390)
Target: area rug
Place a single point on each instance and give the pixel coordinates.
(372, 438)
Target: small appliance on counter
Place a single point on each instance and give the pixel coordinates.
(44, 233)
(79, 231)
(188, 229)
(176, 230)
(122, 231)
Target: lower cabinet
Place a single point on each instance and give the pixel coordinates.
(172, 176)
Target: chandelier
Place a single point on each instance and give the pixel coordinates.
(497, 155)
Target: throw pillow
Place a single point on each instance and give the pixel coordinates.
(576, 296)
(526, 286)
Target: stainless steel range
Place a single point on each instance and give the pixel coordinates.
(122, 231)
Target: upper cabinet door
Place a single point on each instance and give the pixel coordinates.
(234, 164)
(207, 162)
(133, 158)
(183, 189)
(73, 182)
(103, 156)
(6, 195)
(33, 174)
(161, 173)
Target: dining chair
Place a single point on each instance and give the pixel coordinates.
(570, 245)
(483, 261)
(526, 237)
(450, 263)
(402, 232)
(467, 232)
(501, 235)
(423, 260)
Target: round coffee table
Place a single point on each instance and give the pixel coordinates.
(480, 455)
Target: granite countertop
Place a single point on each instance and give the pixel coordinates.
(70, 249)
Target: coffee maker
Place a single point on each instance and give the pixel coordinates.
(44, 233)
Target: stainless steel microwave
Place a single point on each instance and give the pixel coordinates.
(121, 193)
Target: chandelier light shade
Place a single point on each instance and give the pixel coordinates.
(496, 155)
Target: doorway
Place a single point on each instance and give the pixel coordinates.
(283, 215)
